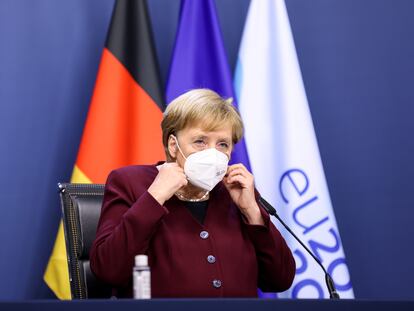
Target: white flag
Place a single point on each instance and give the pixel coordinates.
(283, 149)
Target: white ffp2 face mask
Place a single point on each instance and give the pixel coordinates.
(206, 168)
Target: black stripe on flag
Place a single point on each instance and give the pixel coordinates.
(130, 40)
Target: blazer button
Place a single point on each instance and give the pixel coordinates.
(217, 283)
(204, 235)
(211, 259)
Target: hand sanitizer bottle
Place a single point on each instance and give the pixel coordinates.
(141, 278)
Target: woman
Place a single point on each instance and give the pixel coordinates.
(195, 217)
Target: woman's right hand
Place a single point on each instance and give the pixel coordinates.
(170, 178)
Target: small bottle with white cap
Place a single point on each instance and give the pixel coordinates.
(141, 278)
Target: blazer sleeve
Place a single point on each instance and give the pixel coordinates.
(276, 264)
(125, 228)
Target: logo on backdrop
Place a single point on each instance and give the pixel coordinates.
(312, 223)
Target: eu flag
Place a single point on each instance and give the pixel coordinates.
(199, 59)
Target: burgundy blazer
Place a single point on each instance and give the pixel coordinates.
(225, 257)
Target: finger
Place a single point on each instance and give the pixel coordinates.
(238, 179)
(181, 182)
(248, 179)
(179, 169)
(240, 172)
(180, 173)
(170, 164)
(184, 182)
(230, 185)
(235, 167)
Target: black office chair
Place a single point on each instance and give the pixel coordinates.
(81, 208)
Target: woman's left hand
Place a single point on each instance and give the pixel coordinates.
(240, 184)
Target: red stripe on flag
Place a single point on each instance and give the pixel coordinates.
(123, 124)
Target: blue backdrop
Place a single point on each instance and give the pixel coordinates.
(357, 60)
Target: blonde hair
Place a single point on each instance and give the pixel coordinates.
(201, 107)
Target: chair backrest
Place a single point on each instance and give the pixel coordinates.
(81, 208)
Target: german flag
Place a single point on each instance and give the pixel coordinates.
(123, 122)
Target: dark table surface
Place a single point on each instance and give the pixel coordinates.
(209, 305)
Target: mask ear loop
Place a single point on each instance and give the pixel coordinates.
(179, 149)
